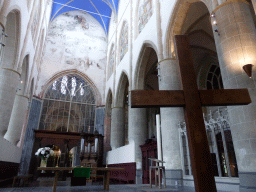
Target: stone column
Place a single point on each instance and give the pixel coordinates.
(8, 85)
(117, 128)
(236, 46)
(18, 115)
(137, 132)
(107, 133)
(170, 79)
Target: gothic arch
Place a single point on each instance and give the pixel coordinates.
(109, 101)
(121, 88)
(12, 42)
(176, 23)
(141, 65)
(97, 95)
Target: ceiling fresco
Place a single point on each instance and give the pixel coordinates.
(99, 9)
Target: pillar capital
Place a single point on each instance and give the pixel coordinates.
(167, 59)
(228, 2)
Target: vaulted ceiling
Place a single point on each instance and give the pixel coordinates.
(99, 9)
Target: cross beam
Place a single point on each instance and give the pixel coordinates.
(192, 100)
(215, 97)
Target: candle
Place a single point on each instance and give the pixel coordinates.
(159, 138)
(96, 144)
(82, 145)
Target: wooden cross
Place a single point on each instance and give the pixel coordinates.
(192, 100)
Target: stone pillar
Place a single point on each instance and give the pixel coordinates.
(170, 80)
(18, 115)
(137, 132)
(117, 128)
(236, 46)
(107, 133)
(8, 85)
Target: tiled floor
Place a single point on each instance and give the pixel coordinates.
(45, 185)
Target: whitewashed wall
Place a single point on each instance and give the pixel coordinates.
(8, 151)
(75, 40)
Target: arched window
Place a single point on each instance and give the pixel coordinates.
(69, 105)
(111, 61)
(123, 40)
(145, 12)
(220, 143)
(35, 21)
(214, 80)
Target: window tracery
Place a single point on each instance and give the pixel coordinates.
(69, 105)
(214, 80)
(220, 143)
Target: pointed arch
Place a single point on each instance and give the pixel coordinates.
(69, 105)
(12, 42)
(176, 22)
(121, 89)
(96, 92)
(109, 100)
(145, 55)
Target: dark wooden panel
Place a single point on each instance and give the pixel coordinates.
(7, 171)
(57, 136)
(123, 176)
(223, 97)
(156, 98)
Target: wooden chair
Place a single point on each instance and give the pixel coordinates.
(158, 169)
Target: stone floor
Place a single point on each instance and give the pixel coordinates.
(45, 185)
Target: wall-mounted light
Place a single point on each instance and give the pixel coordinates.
(248, 69)
(213, 15)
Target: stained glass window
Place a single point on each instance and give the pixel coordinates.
(69, 105)
(111, 61)
(124, 40)
(145, 12)
(35, 20)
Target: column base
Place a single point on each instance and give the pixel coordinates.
(138, 176)
(247, 181)
(174, 177)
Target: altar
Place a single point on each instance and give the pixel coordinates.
(106, 171)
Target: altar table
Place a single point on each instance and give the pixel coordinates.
(58, 169)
